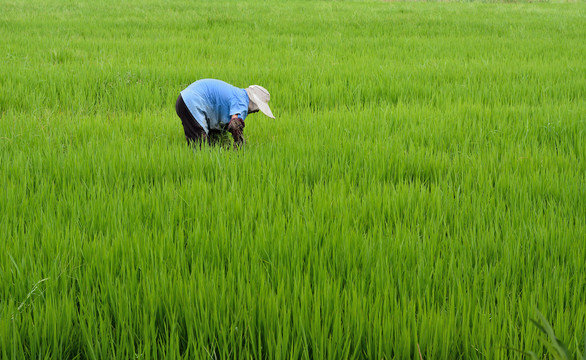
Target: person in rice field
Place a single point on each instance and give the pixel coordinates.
(209, 107)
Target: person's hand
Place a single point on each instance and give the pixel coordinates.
(236, 121)
(235, 127)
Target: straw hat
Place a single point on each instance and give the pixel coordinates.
(260, 97)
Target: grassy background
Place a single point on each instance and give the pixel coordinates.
(422, 185)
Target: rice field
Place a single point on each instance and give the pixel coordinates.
(420, 195)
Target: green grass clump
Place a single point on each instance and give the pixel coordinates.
(423, 185)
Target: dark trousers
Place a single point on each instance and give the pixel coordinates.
(194, 133)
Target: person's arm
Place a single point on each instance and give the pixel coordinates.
(236, 127)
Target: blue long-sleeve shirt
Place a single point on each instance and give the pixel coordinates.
(213, 102)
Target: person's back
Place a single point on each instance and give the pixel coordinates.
(211, 104)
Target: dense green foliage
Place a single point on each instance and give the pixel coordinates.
(423, 185)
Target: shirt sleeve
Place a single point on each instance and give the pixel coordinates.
(239, 105)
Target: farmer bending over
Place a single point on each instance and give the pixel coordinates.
(211, 106)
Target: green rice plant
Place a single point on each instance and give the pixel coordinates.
(419, 194)
(557, 348)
